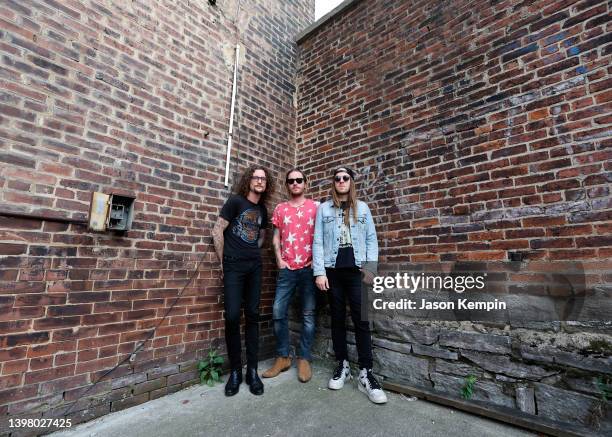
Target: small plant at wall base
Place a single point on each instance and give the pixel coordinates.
(468, 388)
(598, 411)
(604, 388)
(210, 368)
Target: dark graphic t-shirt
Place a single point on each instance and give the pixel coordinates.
(346, 255)
(246, 219)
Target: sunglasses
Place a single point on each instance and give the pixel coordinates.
(291, 181)
(344, 178)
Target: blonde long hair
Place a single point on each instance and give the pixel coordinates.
(351, 201)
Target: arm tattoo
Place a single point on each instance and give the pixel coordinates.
(217, 234)
(276, 243)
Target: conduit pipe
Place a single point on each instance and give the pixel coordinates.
(42, 217)
(231, 123)
(230, 132)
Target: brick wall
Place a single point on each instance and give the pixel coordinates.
(131, 97)
(478, 129)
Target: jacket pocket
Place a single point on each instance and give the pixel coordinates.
(328, 224)
(362, 223)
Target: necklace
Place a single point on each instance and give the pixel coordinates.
(298, 206)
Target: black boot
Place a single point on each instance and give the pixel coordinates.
(233, 382)
(252, 379)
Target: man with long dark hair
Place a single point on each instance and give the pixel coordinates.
(293, 233)
(238, 236)
(344, 240)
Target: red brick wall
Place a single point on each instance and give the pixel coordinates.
(478, 128)
(132, 96)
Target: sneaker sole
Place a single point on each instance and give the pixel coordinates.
(349, 377)
(365, 392)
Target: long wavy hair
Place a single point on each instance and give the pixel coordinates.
(351, 201)
(242, 185)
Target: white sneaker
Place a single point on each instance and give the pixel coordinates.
(341, 373)
(368, 384)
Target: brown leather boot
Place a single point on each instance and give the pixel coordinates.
(303, 370)
(280, 365)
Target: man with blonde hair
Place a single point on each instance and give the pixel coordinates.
(344, 240)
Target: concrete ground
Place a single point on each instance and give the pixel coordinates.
(288, 408)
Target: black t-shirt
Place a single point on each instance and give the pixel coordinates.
(246, 219)
(346, 255)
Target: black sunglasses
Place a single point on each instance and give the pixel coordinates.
(344, 178)
(291, 181)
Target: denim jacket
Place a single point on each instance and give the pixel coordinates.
(327, 236)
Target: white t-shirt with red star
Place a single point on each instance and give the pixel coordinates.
(296, 227)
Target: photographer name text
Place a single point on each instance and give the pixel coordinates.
(432, 283)
(460, 304)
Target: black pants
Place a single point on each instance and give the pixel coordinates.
(346, 283)
(241, 280)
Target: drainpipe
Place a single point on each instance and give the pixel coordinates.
(230, 132)
(231, 123)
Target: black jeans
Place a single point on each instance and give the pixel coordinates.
(346, 283)
(241, 280)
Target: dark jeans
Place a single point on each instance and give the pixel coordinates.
(343, 284)
(288, 282)
(241, 280)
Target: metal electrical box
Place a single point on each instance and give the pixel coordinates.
(111, 212)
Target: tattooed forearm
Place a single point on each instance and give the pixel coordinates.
(217, 235)
(276, 243)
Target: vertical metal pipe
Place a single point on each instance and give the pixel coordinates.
(231, 124)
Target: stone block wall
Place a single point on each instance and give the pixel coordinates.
(478, 129)
(130, 97)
